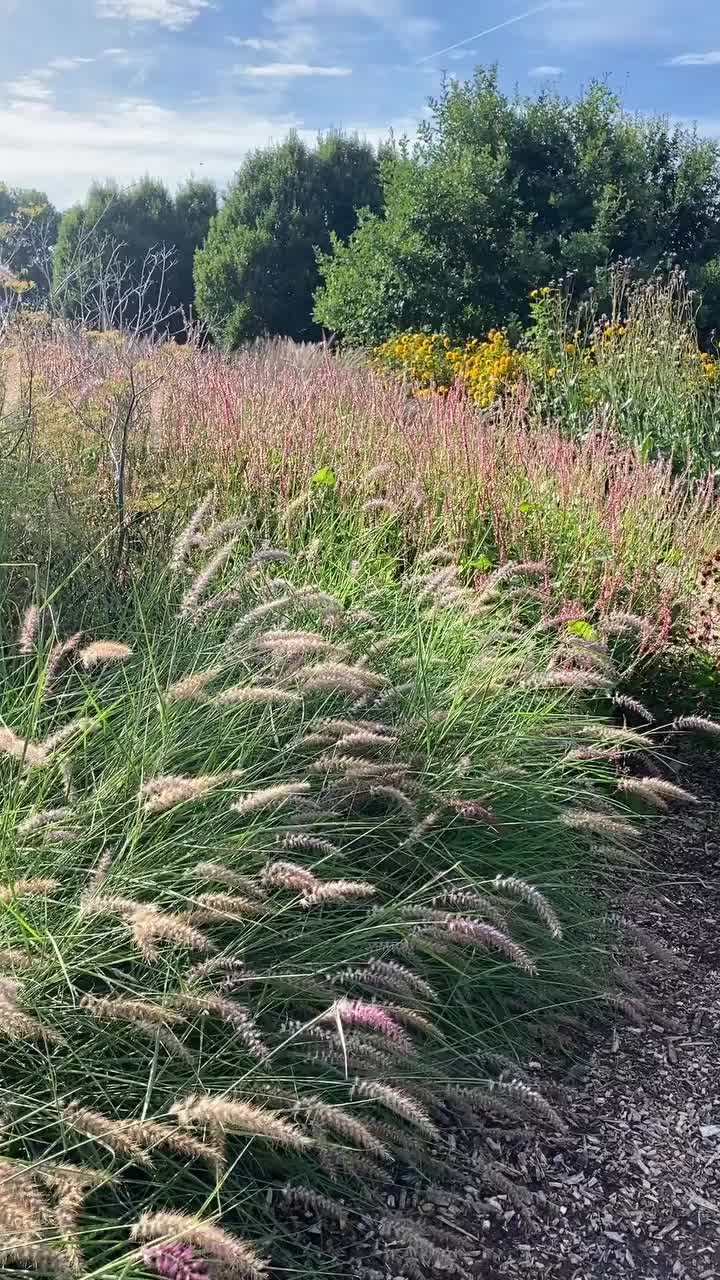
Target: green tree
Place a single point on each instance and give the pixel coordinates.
(195, 207)
(124, 256)
(499, 195)
(257, 271)
(28, 231)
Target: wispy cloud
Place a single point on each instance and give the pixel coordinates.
(395, 16)
(292, 71)
(254, 43)
(709, 59)
(29, 89)
(174, 14)
(546, 72)
(67, 64)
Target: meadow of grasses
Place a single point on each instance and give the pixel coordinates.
(319, 750)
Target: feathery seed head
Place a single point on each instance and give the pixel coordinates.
(309, 844)
(521, 889)
(56, 658)
(316, 1204)
(46, 817)
(270, 797)
(337, 891)
(175, 1261)
(27, 634)
(186, 540)
(338, 1120)
(36, 887)
(697, 724)
(657, 791)
(192, 688)
(193, 597)
(256, 695)
(530, 1099)
(289, 875)
(28, 752)
(624, 702)
(115, 1134)
(225, 906)
(165, 793)
(228, 1115)
(255, 616)
(101, 652)
(149, 925)
(236, 1259)
(225, 875)
(397, 1101)
(373, 1017)
(600, 824)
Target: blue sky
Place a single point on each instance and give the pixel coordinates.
(98, 88)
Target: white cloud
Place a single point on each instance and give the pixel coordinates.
(174, 14)
(394, 15)
(545, 73)
(709, 59)
(67, 64)
(255, 44)
(291, 71)
(29, 88)
(62, 151)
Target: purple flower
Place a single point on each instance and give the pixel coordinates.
(176, 1261)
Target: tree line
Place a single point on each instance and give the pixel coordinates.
(449, 232)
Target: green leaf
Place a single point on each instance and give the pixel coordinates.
(582, 629)
(324, 478)
(483, 563)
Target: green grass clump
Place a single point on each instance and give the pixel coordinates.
(252, 933)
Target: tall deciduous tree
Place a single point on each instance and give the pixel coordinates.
(28, 231)
(124, 256)
(257, 271)
(499, 195)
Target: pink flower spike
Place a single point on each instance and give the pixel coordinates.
(176, 1261)
(361, 1013)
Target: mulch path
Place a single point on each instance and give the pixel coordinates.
(635, 1190)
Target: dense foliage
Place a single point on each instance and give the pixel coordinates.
(257, 272)
(28, 229)
(299, 808)
(125, 254)
(498, 194)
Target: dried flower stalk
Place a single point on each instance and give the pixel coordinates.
(235, 1258)
(228, 1115)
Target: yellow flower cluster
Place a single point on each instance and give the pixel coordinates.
(104, 336)
(17, 286)
(485, 368)
(612, 331)
(422, 356)
(482, 367)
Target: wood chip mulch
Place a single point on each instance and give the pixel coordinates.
(635, 1190)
